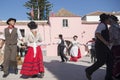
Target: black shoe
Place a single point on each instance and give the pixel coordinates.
(88, 75)
(24, 77)
(5, 75)
(34, 76)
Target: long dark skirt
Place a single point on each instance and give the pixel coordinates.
(116, 66)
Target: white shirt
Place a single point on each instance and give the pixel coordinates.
(59, 41)
(114, 32)
(75, 43)
(100, 27)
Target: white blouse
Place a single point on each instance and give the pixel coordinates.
(33, 41)
(75, 43)
(30, 39)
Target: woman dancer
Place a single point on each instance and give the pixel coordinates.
(33, 61)
(75, 50)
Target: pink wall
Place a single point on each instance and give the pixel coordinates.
(85, 32)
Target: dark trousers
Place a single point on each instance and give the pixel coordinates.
(104, 56)
(10, 58)
(93, 55)
(61, 53)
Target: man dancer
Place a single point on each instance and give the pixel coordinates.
(61, 47)
(103, 53)
(11, 34)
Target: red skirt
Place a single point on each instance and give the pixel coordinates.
(75, 59)
(32, 65)
(79, 54)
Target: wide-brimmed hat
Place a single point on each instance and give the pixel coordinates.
(32, 25)
(104, 17)
(10, 19)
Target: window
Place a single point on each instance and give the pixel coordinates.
(65, 22)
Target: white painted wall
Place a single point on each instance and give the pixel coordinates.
(92, 18)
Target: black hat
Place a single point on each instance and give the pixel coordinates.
(104, 17)
(10, 19)
(114, 18)
(32, 25)
(75, 36)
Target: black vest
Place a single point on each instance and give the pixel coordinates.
(104, 34)
(62, 43)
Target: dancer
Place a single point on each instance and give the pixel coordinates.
(33, 61)
(11, 35)
(115, 41)
(103, 53)
(61, 47)
(75, 50)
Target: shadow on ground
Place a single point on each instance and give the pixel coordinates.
(71, 71)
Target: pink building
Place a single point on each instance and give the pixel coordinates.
(63, 22)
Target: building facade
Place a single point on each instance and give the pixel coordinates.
(65, 23)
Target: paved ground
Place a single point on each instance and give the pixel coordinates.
(54, 70)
